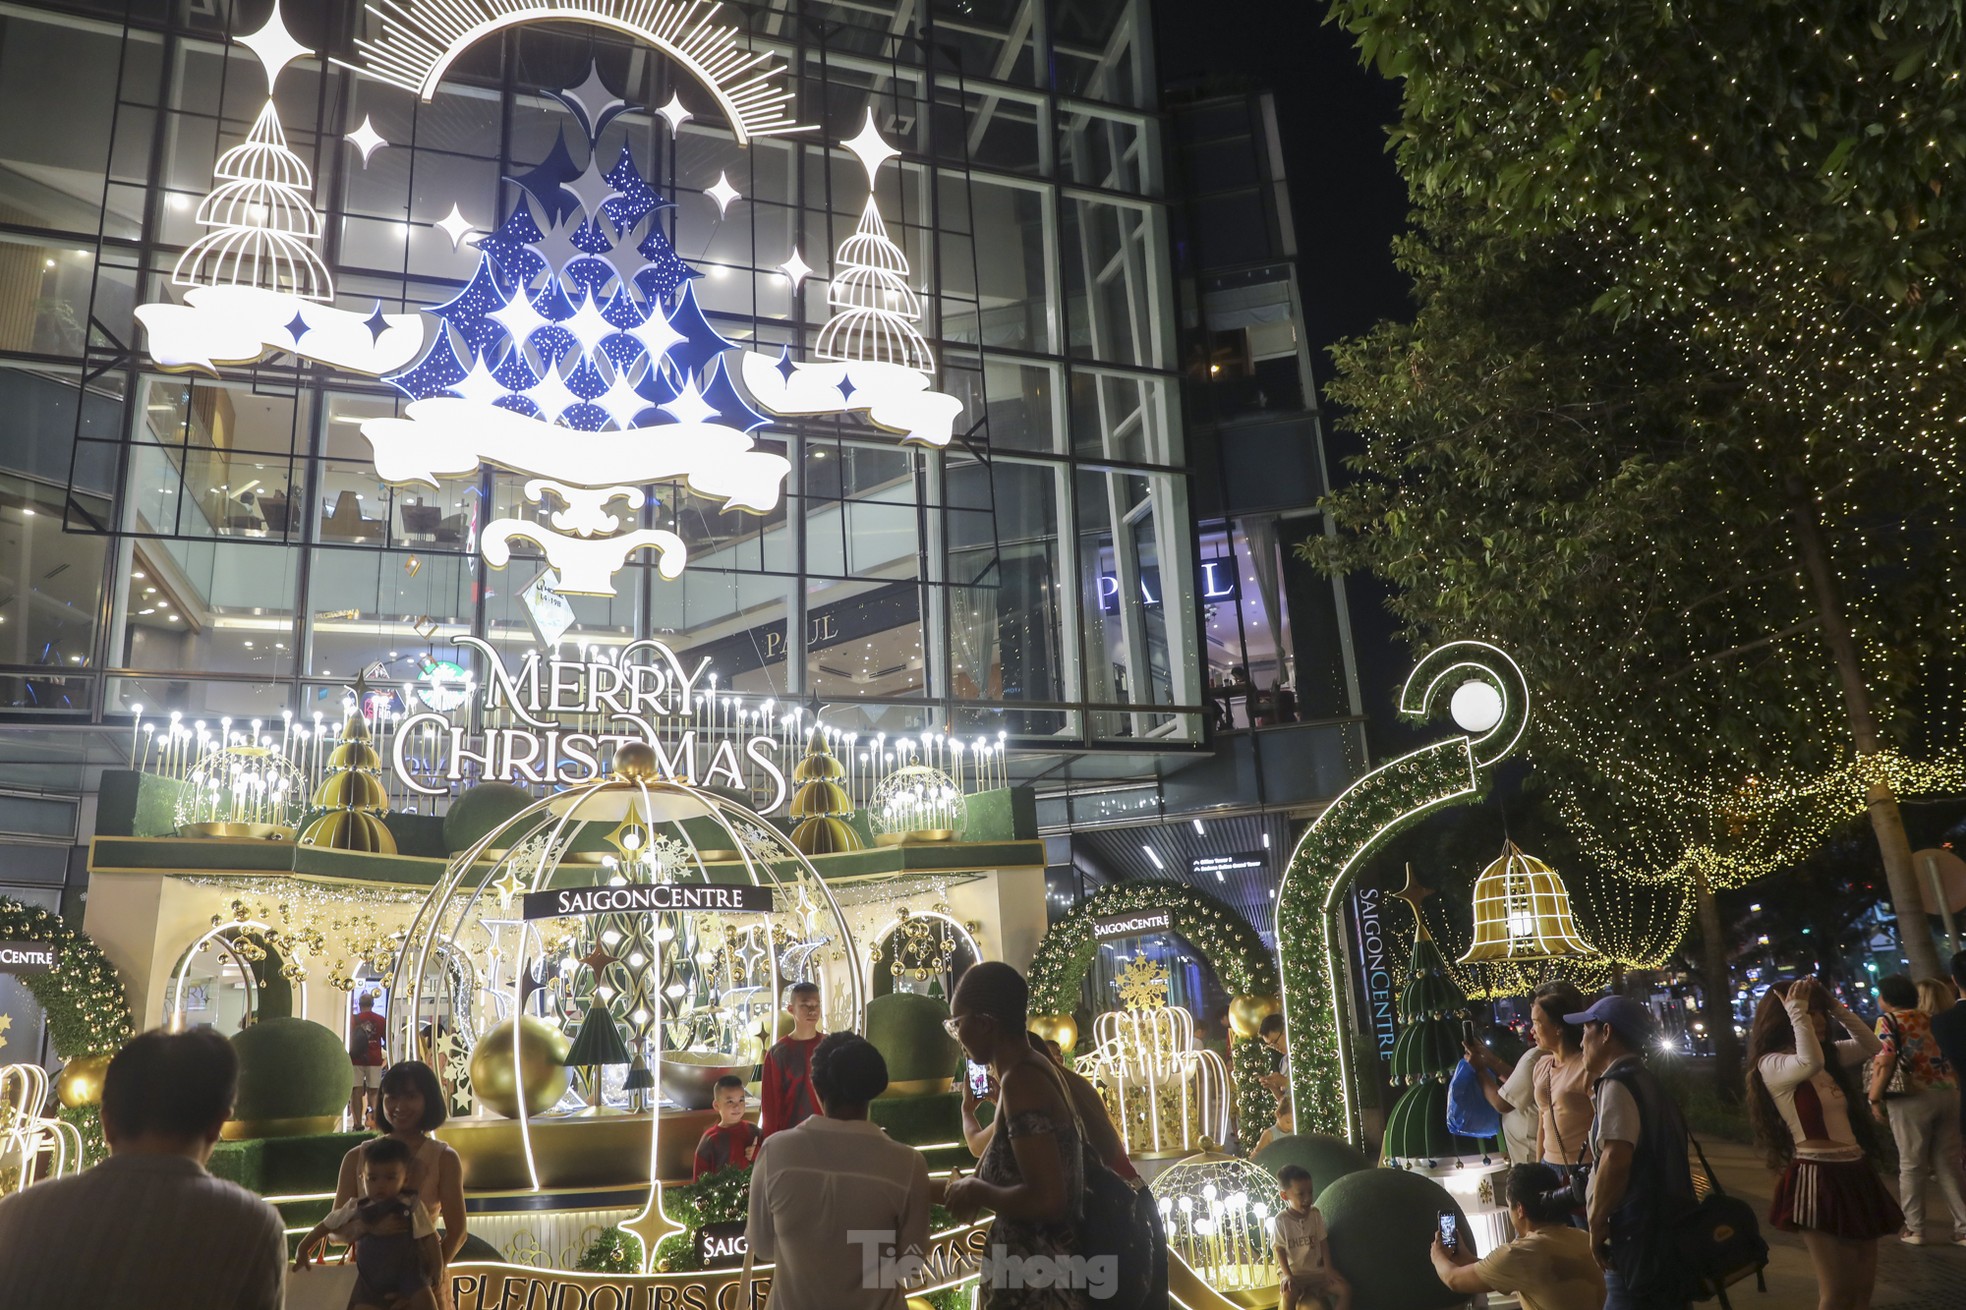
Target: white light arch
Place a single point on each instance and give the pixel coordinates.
(174, 994)
(421, 39)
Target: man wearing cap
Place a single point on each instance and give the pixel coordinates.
(1640, 1181)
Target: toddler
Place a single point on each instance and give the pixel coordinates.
(398, 1260)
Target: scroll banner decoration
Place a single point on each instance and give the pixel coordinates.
(892, 396)
(450, 437)
(242, 325)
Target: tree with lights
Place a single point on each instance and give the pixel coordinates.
(1675, 417)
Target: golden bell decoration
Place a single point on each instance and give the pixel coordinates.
(1522, 912)
(80, 1081)
(352, 795)
(821, 804)
(1246, 1013)
(1060, 1028)
(542, 1047)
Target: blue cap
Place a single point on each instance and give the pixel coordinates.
(1628, 1018)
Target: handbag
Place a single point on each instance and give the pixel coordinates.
(1468, 1112)
(1112, 1221)
(1719, 1240)
(1899, 1083)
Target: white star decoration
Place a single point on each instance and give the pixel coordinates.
(592, 188)
(593, 96)
(587, 325)
(366, 139)
(871, 148)
(622, 401)
(480, 385)
(723, 193)
(552, 395)
(520, 317)
(275, 46)
(657, 335)
(795, 269)
(456, 226)
(676, 114)
(690, 406)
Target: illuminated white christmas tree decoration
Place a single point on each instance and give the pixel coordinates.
(590, 371)
(262, 221)
(874, 309)
(871, 358)
(1165, 1093)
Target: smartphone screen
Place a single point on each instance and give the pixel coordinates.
(1468, 1031)
(1449, 1230)
(979, 1080)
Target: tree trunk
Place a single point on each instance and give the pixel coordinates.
(1719, 987)
(1886, 821)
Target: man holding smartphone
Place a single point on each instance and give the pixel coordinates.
(1549, 1264)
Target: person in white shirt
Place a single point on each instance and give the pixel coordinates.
(841, 1210)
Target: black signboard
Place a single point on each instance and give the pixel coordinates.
(1132, 925)
(28, 957)
(637, 898)
(721, 1246)
(1221, 866)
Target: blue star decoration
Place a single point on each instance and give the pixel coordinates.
(700, 344)
(846, 389)
(298, 328)
(376, 324)
(665, 270)
(637, 199)
(510, 249)
(784, 365)
(721, 395)
(547, 182)
(469, 312)
(436, 373)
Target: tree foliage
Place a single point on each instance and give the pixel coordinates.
(1686, 304)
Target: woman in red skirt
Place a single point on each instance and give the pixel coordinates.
(1799, 1098)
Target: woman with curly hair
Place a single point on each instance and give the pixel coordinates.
(1800, 1090)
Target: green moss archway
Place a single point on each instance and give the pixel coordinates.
(1232, 948)
(88, 1011)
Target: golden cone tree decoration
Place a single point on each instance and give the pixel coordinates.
(1522, 912)
(352, 798)
(821, 804)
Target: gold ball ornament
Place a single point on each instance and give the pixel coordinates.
(635, 762)
(1060, 1028)
(1246, 1013)
(80, 1081)
(541, 1049)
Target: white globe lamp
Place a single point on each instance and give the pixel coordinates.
(1476, 706)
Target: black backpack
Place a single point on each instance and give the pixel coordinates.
(1719, 1240)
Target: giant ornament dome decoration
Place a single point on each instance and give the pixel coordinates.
(917, 802)
(1218, 1213)
(240, 791)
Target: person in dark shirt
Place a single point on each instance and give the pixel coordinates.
(787, 1098)
(1949, 1031)
(732, 1140)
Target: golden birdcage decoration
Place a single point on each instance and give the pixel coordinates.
(1522, 913)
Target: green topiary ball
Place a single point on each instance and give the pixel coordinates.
(1381, 1224)
(906, 1028)
(473, 815)
(294, 1079)
(1328, 1158)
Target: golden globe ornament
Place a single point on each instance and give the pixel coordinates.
(1060, 1028)
(80, 1081)
(635, 762)
(541, 1049)
(1246, 1013)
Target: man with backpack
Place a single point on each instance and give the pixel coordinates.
(1640, 1185)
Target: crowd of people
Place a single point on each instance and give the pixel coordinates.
(1598, 1192)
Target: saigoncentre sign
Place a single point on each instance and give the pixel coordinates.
(642, 898)
(28, 957)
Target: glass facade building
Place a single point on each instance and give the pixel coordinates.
(1084, 569)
